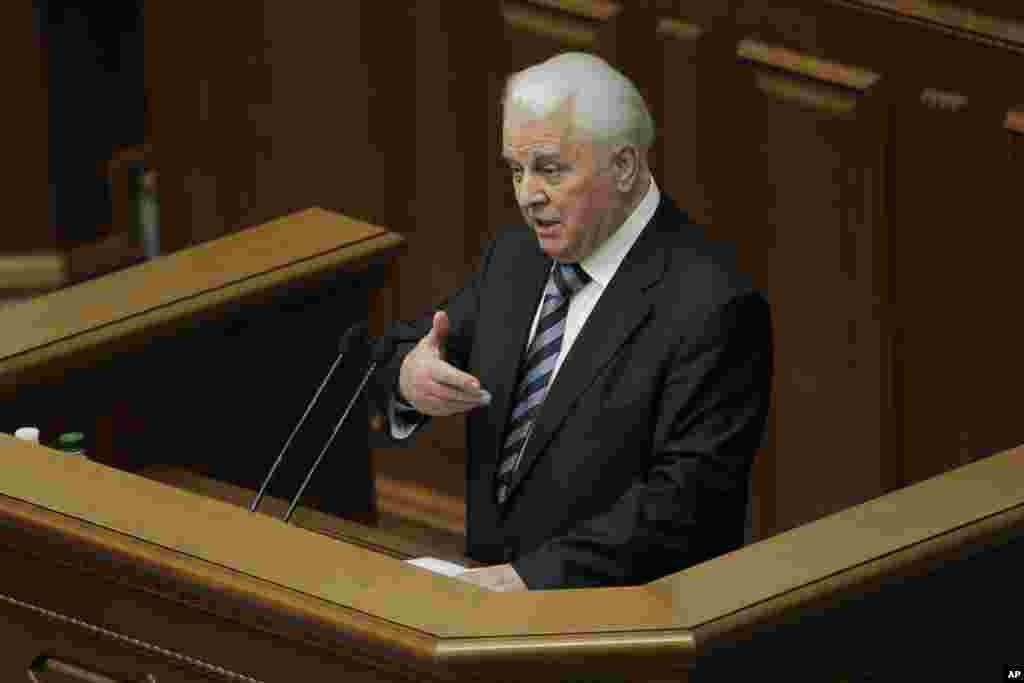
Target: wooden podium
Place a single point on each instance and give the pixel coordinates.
(138, 565)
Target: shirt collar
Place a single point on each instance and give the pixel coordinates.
(602, 263)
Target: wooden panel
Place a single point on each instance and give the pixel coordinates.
(985, 8)
(160, 571)
(62, 651)
(35, 270)
(889, 633)
(237, 386)
(684, 51)
(436, 121)
(955, 202)
(307, 243)
(188, 575)
(809, 228)
(106, 628)
(981, 20)
(776, 150)
(214, 348)
(567, 24)
(28, 222)
(184, 141)
(695, 114)
(412, 522)
(1015, 123)
(810, 155)
(264, 115)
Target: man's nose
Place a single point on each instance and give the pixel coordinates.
(529, 192)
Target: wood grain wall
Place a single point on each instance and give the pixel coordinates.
(27, 225)
(864, 155)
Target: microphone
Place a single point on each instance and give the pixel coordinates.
(353, 333)
(381, 353)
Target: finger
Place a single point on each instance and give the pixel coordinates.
(446, 392)
(459, 405)
(447, 374)
(439, 329)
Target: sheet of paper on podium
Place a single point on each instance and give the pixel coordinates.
(438, 566)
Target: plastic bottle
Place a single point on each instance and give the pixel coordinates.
(27, 434)
(149, 214)
(72, 443)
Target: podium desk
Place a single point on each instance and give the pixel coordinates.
(120, 576)
(143, 563)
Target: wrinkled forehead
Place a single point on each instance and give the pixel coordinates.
(524, 135)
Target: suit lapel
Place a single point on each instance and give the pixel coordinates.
(623, 307)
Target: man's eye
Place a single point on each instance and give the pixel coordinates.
(550, 169)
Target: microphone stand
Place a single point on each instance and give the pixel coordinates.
(382, 352)
(356, 331)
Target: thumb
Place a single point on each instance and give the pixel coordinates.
(439, 330)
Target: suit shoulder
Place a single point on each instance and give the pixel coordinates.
(705, 267)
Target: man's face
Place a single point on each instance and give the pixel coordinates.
(565, 189)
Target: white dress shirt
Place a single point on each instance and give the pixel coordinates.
(601, 265)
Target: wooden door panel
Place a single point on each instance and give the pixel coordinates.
(688, 67)
(799, 203)
(29, 224)
(956, 230)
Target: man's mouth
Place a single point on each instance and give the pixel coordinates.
(545, 224)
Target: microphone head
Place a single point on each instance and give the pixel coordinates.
(353, 334)
(384, 348)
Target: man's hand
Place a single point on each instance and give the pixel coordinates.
(500, 577)
(433, 386)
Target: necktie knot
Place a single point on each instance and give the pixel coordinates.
(570, 278)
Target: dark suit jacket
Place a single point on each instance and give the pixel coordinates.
(639, 460)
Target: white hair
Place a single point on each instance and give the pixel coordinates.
(606, 105)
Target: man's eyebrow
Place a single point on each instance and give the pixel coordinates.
(539, 158)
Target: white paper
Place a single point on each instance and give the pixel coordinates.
(438, 566)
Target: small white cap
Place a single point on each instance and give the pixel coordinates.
(27, 434)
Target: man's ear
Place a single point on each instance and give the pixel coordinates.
(626, 165)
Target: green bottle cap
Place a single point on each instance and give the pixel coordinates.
(71, 441)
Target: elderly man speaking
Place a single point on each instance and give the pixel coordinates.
(614, 366)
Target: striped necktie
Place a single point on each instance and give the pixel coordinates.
(566, 280)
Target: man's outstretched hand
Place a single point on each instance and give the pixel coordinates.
(430, 384)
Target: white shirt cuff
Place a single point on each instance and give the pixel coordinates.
(401, 415)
